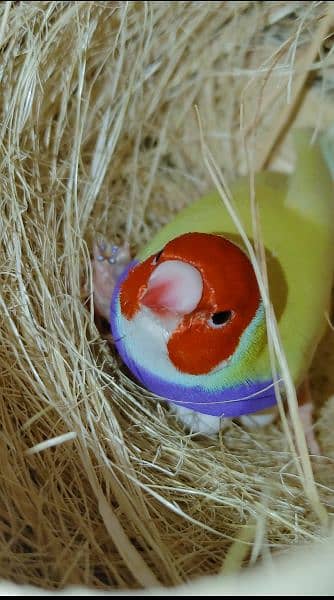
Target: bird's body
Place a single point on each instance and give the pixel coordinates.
(174, 342)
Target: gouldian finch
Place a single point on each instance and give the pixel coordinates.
(187, 316)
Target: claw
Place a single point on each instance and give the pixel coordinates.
(102, 246)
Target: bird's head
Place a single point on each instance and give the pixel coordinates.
(198, 294)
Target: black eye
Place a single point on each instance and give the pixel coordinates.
(220, 318)
(157, 256)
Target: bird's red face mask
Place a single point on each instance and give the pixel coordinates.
(208, 285)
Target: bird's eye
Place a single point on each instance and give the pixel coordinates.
(222, 317)
(157, 256)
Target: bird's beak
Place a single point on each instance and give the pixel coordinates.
(174, 288)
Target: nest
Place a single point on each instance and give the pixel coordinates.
(100, 485)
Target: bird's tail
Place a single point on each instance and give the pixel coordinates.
(311, 189)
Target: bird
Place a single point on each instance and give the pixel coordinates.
(187, 316)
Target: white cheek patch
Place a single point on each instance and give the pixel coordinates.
(147, 334)
(160, 327)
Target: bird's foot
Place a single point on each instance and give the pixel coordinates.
(197, 422)
(305, 408)
(109, 261)
(259, 419)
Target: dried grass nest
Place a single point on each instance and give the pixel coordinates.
(100, 486)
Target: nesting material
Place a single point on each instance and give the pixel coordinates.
(100, 485)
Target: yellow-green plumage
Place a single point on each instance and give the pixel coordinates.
(297, 223)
